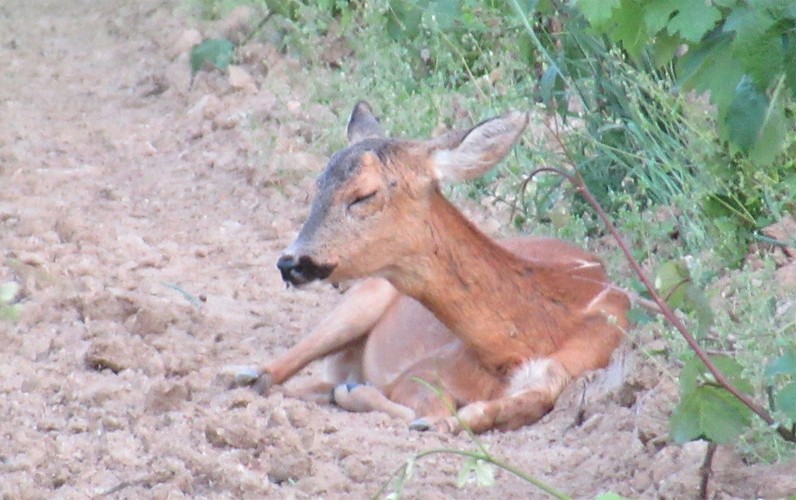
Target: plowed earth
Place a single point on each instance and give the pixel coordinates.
(143, 217)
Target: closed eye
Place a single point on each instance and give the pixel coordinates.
(362, 199)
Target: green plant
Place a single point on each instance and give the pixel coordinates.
(743, 54)
(9, 308)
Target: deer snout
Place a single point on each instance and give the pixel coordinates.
(300, 270)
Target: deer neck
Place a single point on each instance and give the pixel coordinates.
(490, 298)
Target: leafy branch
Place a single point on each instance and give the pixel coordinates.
(742, 52)
(723, 381)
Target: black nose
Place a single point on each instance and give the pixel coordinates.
(286, 264)
(298, 271)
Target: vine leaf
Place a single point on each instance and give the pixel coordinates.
(217, 52)
(783, 365)
(673, 281)
(483, 472)
(771, 136)
(746, 114)
(786, 400)
(693, 19)
(403, 20)
(598, 12)
(706, 410)
(785, 396)
(709, 413)
(445, 13)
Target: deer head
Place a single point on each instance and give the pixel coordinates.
(373, 201)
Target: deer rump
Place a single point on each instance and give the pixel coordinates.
(449, 329)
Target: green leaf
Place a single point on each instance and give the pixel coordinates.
(746, 114)
(706, 410)
(629, 28)
(709, 413)
(410, 467)
(695, 374)
(551, 80)
(694, 19)
(756, 46)
(465, 472)
(484, 473)
(216, 52)
(786, 400)
(638, 316)
(403, 20)
(697, 302)
(657, 14)
(597, 12)
(772, 133)
(671, 281)
(445, 13)
(664, 48)
(783, 365)
(10, 313)
(789, 59)
(610, 495)
(8, 292)
(710, 66)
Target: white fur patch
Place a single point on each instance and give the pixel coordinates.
(585, 264)
(455, 165)
(597, 299)
(544, 375)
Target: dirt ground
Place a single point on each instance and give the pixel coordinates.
(143, 219)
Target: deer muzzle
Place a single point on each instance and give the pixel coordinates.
(300, 270)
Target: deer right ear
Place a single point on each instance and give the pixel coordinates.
(472, 154)
(363, 124)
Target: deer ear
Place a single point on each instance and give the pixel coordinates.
(363, 124)
(478, 150)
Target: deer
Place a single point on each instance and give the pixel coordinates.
(443, 327)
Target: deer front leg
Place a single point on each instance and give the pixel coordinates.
(352, 319)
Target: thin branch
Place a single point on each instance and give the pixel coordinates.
(706, 471)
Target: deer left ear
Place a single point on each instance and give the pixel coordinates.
(363, 124)
(480, 149)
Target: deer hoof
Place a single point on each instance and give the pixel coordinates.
(340, 391)
(263, 383)
(246, 376)
(448, 425)
(421, 425)
(234, 376)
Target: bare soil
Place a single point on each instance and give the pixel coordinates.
(143, 217)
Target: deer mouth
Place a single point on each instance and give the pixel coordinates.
(302, 270)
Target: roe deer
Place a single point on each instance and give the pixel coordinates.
(498, 328)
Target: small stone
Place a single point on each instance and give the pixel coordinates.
(237, 430)
(167, 396)
(105, 354)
